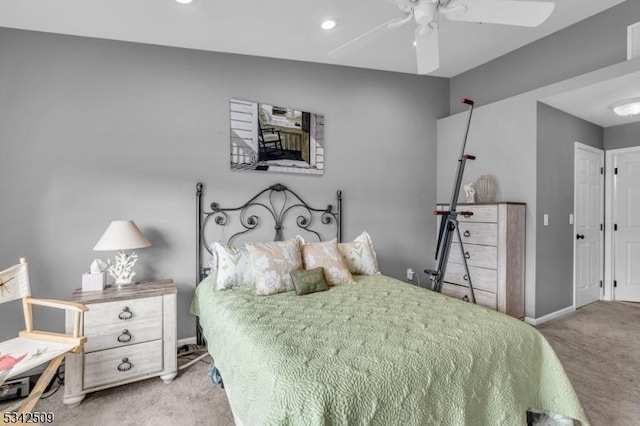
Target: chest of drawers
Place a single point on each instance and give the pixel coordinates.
(131, 335)
(494, 246)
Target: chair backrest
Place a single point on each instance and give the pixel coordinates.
(14, 282)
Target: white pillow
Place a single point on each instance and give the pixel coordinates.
(231, 267)
(272, 263)
(327, 255)
(360, 256)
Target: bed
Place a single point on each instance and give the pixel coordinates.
(377, 351)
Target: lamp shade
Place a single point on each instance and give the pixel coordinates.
(122, 235)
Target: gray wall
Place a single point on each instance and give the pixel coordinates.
(95, 130)
(594, 43)
(557, 133)
(502, 137)
(624, 136)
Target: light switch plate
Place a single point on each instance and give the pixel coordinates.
(546, 219)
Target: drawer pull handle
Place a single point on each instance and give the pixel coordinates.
(125, 314)
(125, 365)
(467, 234)
(467, 255)
(466, 277)
(124, 337)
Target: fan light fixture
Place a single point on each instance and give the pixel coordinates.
(627, 107)
(328, 24)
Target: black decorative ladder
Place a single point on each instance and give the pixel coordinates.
(449, 221)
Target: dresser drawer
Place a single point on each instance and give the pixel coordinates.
(121, 313)
(481, 213)
(483, 298)
(478, 233)
(482, 278)
(116, 335)
(120, 364)
(477, 255)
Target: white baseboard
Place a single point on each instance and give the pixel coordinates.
(187, 341)
(549, 317)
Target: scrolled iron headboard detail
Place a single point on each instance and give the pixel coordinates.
(277, 202)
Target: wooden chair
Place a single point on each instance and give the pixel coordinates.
(32, 347)
(269, 141)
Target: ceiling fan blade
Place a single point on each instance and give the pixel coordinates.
(365, 38)
(427, 49)
(404, 5)
(505, 12)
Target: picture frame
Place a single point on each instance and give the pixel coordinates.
(272, 138)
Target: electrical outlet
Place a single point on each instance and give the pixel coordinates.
(410, 274)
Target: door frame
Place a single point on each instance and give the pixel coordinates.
(608, 218)
(603, 255)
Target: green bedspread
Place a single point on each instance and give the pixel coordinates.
(378, 352)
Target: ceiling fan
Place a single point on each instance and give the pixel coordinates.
(426, 13)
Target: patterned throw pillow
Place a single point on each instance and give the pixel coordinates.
(360, 256)
(231, 266)
(309, 281)
(272, 264)
(327, 255)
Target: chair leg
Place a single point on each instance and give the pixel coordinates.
(41, 385)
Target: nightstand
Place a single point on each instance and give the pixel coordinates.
(131, 335)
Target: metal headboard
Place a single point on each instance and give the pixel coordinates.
(264, 201)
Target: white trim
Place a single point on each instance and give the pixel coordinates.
(603, 182)
(551, 316)
(631, 49)
(608, 226)
(608, 218)
(187, 341)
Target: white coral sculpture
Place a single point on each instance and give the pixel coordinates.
(122, 271)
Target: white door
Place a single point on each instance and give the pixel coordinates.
(588, 254)
(626, 219)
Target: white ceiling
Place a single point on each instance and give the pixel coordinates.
(286, 29)
(592, 103)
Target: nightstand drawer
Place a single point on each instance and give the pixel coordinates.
(112, 336)
(482, 278)
(477, 255)
(478, 233)
(121, 313)
(483, 298)
(120, 364)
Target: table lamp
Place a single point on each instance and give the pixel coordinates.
(122, 235)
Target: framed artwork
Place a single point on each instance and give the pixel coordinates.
(272, 138)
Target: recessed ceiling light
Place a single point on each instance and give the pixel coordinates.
(627, 107)
(184, 1)
(328, 24)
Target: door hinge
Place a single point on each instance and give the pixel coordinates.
(601, 170)
(615, 171)
(615, 283)
(600, 283)
(615, 227)
(601, 227)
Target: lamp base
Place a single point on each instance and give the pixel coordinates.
(122, 271)
(124, 285)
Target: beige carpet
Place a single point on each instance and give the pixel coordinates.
(191, 399)
(599, 346)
